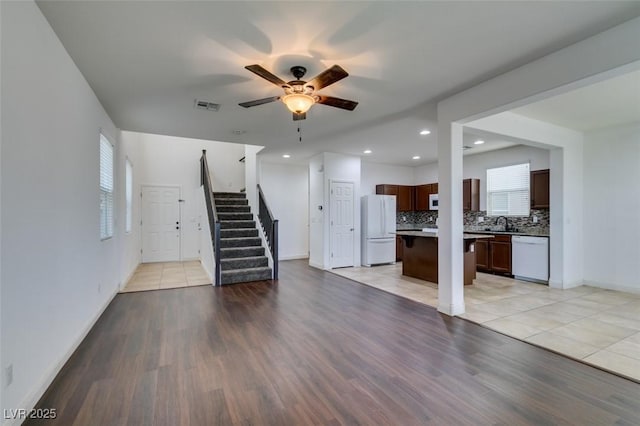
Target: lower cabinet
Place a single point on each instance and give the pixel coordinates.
(482, 255)
(500, 254)
(398, 249)
(494, 255)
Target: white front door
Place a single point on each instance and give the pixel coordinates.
(161, 224)
(341, 218)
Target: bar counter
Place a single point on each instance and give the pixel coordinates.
(420, 255)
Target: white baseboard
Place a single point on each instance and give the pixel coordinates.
(615, 287)
(34, 396)
(294, 257)
(451, 309)
(124, 283)
(206, 268)
(564, 285)
(316, 265)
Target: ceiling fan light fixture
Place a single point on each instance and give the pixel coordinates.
(298, 103)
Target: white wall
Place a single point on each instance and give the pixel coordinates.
(578, 65)
(252, 174)
(566, 188)
(317, 208)
(1, 363)
(207, 256)
(338, 167)
(286, 189)
(131, 242)
(427, 173)
(324, 168)
(57, 276)
(167, 160)
(475, 166)
(374, 174)
(611, 208)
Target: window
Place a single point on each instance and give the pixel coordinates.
(128, 194)
(508, 191)
(106, 188)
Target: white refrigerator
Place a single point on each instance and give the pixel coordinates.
(378, 229)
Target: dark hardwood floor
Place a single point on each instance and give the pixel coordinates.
(316, 348)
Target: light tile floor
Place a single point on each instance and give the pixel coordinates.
(164, 275)
(599, 327)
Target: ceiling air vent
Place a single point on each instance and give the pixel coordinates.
(209, 106)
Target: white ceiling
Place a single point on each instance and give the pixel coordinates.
(148, 61)
(607, 103)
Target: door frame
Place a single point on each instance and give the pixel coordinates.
(353, 209)
(156, 185)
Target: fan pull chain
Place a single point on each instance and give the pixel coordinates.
(299, 133)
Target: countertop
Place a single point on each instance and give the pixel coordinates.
(525, 233)
(530, 233)
(466, 236)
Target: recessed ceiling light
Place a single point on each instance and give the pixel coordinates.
(367, 151)
(479, 142)
(416, 157)
(286, 156)
(425, 132)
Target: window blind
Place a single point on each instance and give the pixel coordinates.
(106, 188)
(128, 179)
(508, 191)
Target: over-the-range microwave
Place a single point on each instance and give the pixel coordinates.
(433, 201)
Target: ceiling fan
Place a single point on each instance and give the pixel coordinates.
(301, 95)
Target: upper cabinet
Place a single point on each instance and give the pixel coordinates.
(404, 195)
(411, 198)
(422, 195)
(405, 198)
(540, 189)
(471, 194)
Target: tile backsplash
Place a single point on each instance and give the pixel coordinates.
(424, 219)
(427, 219)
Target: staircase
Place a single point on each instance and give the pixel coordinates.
(242, 257)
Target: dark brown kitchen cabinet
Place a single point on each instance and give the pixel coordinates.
(540, 189)
(482, 255)
(500, 254)
(471, 195)
(494, 255)
(398, 248)
(422, 195)
(387, 189)
(404, 195)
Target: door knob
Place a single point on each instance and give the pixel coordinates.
(177, 227)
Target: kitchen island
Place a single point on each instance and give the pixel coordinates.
(420, 255)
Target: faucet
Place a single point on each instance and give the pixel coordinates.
(506, 222)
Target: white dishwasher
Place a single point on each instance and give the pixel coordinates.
(530, 258)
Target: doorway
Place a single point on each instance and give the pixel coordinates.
(161, 228)
(341, 220)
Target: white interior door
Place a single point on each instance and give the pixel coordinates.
(161, 228)
(341, 219)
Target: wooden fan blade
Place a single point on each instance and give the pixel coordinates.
(337, 102)
(257, 69)
(301, 116)
(328, 77)
(259, 102)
